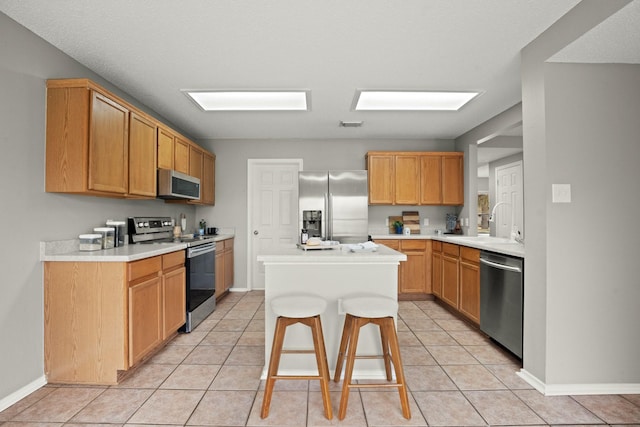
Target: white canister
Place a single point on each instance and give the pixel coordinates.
(406, 231)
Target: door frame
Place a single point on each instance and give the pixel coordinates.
(251, 165)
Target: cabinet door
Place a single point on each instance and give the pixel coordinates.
(450, 280)
(470, 290)
(108, 145)
(381, 171)
(407, 179)
(228, 264)
(174, 300)
(165, 149)
(452, 180)
(142, 156)
(413, 278)
(145, 318)
(195, 162)
(208, 183)
(219, 273)
(436, 273)
(181, 155)
(430, 179)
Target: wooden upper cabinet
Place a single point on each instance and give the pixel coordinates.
(407, 179)
(452, 179)
(381, 172)
(208, 181)
(142, 156)
(108, 145)
(165, 148)
(181, 155)
(195, 162)
(430, 179)
(87, 147)
(415, 178)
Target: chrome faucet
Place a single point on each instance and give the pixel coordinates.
(493, 211)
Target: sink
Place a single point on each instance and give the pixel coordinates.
(482, 239)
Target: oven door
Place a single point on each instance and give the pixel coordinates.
(201, 283)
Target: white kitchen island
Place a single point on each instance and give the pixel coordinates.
(332, 274)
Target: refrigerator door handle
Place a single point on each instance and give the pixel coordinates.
(325, 226)
(330, 218)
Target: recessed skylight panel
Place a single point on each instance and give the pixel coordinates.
(387, 100)
(251, 100)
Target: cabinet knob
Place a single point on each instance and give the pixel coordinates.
(255, 232)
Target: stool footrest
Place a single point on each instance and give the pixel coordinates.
(296, 377)
(395, 385)
(297, 352)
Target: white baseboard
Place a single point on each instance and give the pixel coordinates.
(235, 289)
(22, 393)
(576, 389)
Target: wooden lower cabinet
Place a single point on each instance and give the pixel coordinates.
(224, 267)
(470, 283)
(456, 278)
(450, 266)
(436, 268)
(414, 274)
(102, 318)
(145, 318)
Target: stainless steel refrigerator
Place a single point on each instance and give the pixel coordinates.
(334, 205)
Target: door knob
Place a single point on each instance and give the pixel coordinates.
(255, 232)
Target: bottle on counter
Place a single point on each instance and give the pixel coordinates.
(304, 236)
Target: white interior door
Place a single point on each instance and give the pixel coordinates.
(509, 189)
(273, 209)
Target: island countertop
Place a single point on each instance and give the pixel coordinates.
(337, 255)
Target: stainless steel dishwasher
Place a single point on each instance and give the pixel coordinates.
(501, 299)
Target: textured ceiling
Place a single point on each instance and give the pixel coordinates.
(154, 49)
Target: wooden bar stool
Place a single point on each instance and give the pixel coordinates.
(361, 311)
(292, 309)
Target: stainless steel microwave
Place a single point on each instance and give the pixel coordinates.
(176, 185)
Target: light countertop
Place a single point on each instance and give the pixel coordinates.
(495, 244)
(336, 255)
(67, 250)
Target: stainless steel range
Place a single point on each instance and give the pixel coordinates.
(200, 263)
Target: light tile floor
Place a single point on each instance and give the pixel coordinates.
(211, 377)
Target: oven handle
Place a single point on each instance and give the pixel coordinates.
(200, 250)
(500, 266)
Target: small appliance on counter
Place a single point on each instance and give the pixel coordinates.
(453, 226)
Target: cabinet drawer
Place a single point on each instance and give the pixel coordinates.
(172, 259)
(413, 245)
(470, 254)
(228, 244)
(437, 246)
(451, 249)
(144, 267)
(393, 244)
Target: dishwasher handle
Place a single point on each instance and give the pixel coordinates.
(500, 266)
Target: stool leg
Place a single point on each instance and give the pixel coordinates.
(323, 366)
(346, 330)
(385, 347)
(274, 362)
(397, 364)
(354, 331)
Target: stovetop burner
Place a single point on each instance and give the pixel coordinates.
(146, 230)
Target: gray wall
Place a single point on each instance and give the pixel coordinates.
(566, 307)
(592, 143)
(231, 179)
(28, 214)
